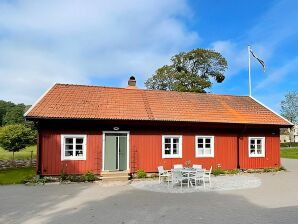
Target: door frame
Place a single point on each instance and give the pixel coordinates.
(103, 146)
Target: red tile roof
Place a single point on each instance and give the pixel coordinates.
(96, 102)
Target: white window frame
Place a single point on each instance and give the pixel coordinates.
(74, 157)
(179, 155)
(204, 140)
(263, 147)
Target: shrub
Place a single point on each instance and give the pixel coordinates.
(75, 178)
(89, 176)
(141, 174)
(217, 171)
(232, 171)
(63, 175)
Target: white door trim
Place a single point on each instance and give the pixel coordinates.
(103, 146)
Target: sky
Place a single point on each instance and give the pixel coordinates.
(105, 42)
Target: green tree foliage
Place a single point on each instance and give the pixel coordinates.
(190, 72)
(289, 106)
(16, 137)
(11, 113)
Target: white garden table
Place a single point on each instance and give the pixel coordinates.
(188, 172)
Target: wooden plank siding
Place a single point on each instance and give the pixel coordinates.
(146, 146)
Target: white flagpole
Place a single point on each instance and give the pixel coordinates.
(249, 79)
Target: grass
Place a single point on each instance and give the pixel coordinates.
(21, 155)
(290, 153)
(16, 175)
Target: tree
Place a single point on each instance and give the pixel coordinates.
(15, 115)
(190, 72)
(16, 137)
(289, 109)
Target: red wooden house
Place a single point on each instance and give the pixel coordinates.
(93, 128)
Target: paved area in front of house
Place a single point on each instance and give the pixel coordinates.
(275, 201)
(220, 183)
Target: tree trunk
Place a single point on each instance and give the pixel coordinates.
(13, 163)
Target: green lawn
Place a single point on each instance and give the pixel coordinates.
(24, 154)
(16, 175)
(291, 153)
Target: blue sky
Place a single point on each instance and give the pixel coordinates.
(104, 42)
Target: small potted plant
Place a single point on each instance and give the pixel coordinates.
(187, 164)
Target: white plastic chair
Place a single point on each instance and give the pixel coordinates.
(207, 176)
(198, 177)
(178, 178)
(178, 166)
(162, 173)
(195, 166)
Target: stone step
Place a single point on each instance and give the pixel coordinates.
(115, 178)
(114, 175)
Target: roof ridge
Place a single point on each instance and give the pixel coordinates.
(149, 90)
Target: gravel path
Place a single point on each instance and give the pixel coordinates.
(221, 183)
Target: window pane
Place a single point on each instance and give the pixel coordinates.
(175, 151)
(208, 146)
(200, 140)
(207, 151)
(259, 146)
(167, 146)
(79, 147)
(175, 140)
(259, 151)
(208, 140)
(200, 151)
(259, 141)
(68, 140)
(252, 141)
(79, 140)
(200, 145)
(175, 146)
(167, 140)
(252, 151)
(79, 153)
(68, 153)
(167, 151)
(68, 147)
(252, 146)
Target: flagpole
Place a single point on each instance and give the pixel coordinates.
(249, 79)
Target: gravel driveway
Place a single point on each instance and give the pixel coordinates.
(275, 201)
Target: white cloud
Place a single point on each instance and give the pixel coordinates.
(75, 41)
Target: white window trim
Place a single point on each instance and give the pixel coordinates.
(263, 147)
(166, 156)
(212, 146)
(63, 157)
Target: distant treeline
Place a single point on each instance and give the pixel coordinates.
(11, 113)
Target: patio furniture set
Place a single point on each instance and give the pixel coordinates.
(190, 176)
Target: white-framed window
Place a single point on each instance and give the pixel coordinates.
(171, 146)
(204, 146)
(73, 147)
(256, 146)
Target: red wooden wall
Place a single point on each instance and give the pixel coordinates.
(146, 149)
(51, 154)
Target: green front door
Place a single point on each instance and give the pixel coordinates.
(115, 155)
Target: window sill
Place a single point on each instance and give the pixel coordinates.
(256, 156)
(206, 156)
(172, 157)
(72, 159)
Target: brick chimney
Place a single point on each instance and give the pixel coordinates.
(132, 83)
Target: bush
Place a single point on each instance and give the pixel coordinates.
(217, 171)
(63, 176)
(89, 176)
(141, 174)
(232, 171)
(75, 178)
